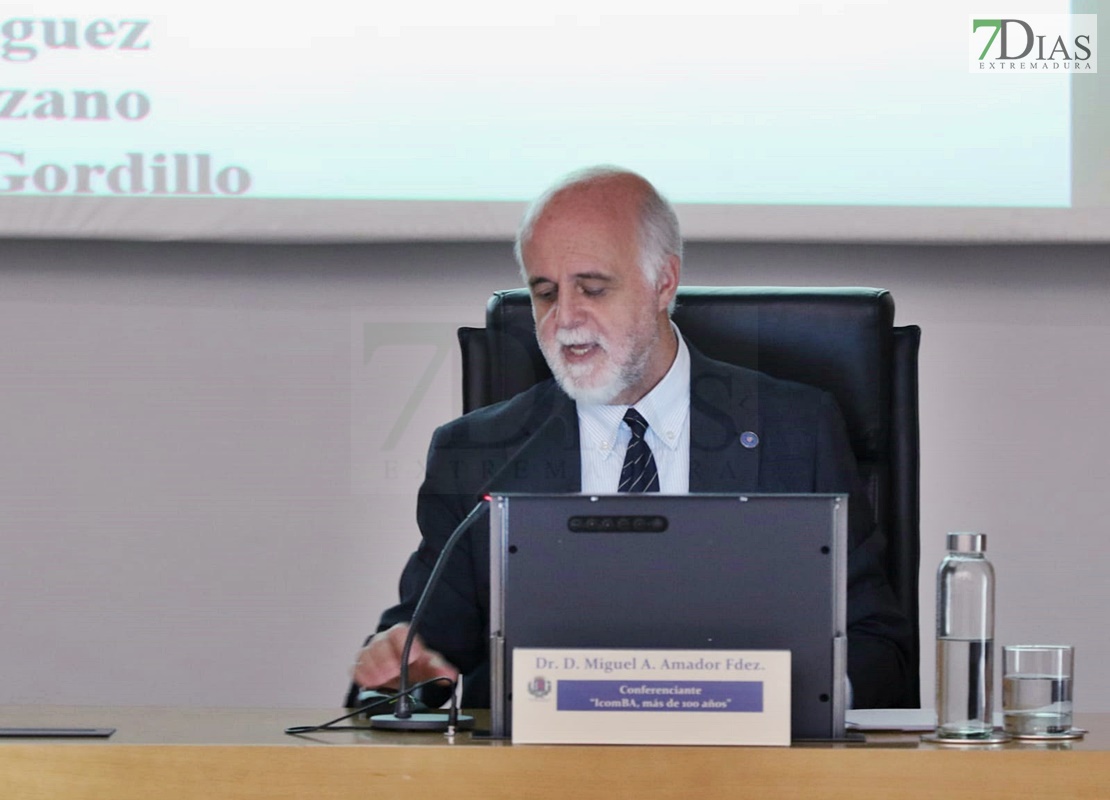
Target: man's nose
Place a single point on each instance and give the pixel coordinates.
(568, 309)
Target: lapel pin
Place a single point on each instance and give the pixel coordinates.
(749, 439)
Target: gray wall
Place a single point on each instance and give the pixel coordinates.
(211, 452)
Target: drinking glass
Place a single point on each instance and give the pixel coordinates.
(1037, 689)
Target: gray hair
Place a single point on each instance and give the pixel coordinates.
(660, 237)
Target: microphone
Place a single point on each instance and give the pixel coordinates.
(403, 717)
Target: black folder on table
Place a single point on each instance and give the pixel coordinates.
(730, 572)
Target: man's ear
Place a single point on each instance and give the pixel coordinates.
(666, 284)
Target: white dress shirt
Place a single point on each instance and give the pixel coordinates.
(603, 435)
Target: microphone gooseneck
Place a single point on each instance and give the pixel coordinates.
(402, 712)
(403, 717)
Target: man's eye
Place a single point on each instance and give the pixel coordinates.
(593, 291)
(545, 296)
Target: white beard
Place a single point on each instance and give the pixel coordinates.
(622, 364)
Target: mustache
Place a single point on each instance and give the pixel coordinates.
(573, 337)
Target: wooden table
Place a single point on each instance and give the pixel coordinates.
(227, 754)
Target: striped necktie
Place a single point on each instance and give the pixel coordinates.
(639, 473)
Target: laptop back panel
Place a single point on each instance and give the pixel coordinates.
(736, 572)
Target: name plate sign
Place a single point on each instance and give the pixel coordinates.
(579, 696)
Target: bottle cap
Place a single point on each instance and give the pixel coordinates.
(967, 542)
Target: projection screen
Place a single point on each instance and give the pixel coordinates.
(345, 121)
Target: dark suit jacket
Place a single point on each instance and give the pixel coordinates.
(512, 446)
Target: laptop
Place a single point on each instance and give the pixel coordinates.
(697, 571)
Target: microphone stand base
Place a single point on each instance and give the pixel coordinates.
(420, 722)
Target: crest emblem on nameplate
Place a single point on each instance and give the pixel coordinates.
(540, 687)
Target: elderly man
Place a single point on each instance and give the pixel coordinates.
(642, 411)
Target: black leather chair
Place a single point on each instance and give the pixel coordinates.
(842, 340)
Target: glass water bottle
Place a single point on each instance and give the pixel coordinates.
(965, 639)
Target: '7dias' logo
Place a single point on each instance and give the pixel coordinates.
(1035, 43)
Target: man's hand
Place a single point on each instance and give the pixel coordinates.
(378, 665)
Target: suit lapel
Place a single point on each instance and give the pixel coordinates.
(724, 457)
(548, 460)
